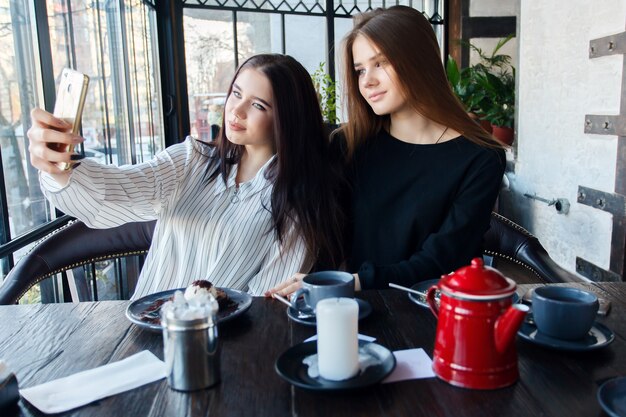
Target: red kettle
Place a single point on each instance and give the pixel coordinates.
(476, 327)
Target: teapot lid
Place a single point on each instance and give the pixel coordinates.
(477, 281)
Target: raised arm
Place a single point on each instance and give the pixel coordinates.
(105, 195)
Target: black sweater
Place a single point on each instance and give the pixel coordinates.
(419, 211)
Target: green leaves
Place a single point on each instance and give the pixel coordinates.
(326, 93)
(452, 69)
(488, 87)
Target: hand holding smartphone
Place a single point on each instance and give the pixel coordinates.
(70, 102)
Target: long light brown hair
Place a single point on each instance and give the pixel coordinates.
(408, 42)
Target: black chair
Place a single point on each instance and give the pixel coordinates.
(75, 245)
(71, 246)
(508, 241)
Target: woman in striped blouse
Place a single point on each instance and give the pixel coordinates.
(244, 212)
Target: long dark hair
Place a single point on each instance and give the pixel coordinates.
(419, 70)
(306, 184)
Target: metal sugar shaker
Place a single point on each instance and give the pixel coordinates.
(191, 350)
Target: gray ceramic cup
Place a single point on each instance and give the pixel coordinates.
(564, 312)
(323, 284)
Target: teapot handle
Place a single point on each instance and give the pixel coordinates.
(430, 299)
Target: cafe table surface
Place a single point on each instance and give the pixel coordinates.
(44, 342)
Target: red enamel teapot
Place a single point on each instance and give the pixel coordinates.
(476, 327)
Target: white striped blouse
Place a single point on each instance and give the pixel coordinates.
(204, 230)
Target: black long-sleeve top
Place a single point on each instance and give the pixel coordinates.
(419, 211)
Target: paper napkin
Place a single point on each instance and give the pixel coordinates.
(411, 364)
(87, 386)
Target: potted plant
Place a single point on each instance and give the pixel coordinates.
(465, 86)
(327, 95)
(487, 88)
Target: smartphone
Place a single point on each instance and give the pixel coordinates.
(70, 101)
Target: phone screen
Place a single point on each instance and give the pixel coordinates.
(70, 101)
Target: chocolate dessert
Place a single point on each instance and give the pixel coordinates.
(204, 286)
(198, 288)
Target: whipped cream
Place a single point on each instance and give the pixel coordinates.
(199, 292)
(198, 301)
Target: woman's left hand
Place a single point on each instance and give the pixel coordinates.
(288, 287)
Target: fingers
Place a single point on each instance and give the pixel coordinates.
(48, 156)
(288, 287)
(50, 142)
(51, 167)
(42, 118)
(46, 134)
(43, 157)
(357, 282)
(49, 129)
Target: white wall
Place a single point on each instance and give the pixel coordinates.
(493, 7)
(557, 85)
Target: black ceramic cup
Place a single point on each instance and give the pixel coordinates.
(564, 312)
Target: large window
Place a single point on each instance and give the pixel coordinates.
(114, 43)
(219, 34)
(25, 207)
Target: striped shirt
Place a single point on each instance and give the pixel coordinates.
(204, 230)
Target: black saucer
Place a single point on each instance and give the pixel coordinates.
(422, 286)
(365, 309)
(598, 337)
(290, 367)
(612, 397)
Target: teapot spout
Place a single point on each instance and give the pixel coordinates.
(507, 326)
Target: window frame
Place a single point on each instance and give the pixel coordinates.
(169, 71)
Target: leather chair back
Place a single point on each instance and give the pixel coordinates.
(75, 245)
(71, 246)
(508, 240)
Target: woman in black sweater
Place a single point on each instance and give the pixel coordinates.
(424, 176)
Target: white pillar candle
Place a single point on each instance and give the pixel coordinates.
(337, 338)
